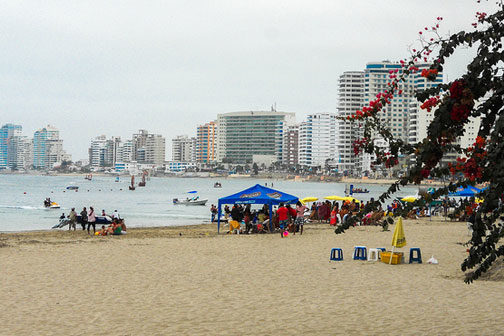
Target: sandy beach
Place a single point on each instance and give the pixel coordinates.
(189, 281)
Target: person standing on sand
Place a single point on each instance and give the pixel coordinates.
(300, 210)
(91, 220)
(72, 216)
(83, 220)
(283, 217)
(214, 211)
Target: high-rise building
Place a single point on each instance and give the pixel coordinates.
(403, 117)
(318, 140)
(290, 150)
(184, 149)
(7, 153)
(350, 99)
(148, 147)
(48, 148)
(103, 151)
(244, 134)
(155, 149)
(24, 152)
(206, 147)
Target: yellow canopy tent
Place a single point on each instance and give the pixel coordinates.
(335, 198)
(308, 199)
(398, 239)
(409, 199)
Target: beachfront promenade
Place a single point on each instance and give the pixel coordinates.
(156, 282)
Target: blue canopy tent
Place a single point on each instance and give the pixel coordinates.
(256, 195)
(465, 192)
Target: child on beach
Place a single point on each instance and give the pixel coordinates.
(103, 231)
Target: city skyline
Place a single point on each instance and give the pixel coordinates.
(96, 68)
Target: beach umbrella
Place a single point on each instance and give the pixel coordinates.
(335, 198)
(351, 199)
(308, 199)
(409, 199)
(398, 239)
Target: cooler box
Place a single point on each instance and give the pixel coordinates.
(396, 258)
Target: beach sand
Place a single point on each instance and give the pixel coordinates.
(156, 282)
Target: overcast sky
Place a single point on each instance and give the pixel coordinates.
(113, 67)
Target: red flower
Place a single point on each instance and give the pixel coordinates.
(459, 112)
(425, 173)
(456, 89)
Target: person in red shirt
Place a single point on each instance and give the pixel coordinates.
(283, 216)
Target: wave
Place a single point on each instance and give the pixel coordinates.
(24, 207)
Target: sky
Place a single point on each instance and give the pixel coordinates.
(113, 67)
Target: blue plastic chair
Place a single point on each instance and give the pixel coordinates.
(336, 254)
(360, 253)
(418, 257)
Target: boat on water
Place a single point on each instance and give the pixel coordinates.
(217, 185)
(350, 190)
(48, 204)
(359, 191)
(103, 220)
(190, 201)
(72, 187)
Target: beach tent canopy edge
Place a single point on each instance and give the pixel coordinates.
(257, 194)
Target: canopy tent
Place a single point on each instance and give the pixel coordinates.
(257, 194)
(466, 192)
(308, 199)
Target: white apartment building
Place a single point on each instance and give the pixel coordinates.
(48, 148)
(350, 99)
(242, 135)
(148, 148)
(155, 149)
(22, 147)
(184, 149)
(318, 140)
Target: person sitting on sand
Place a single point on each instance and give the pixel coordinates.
(103, 231)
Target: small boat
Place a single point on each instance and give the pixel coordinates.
(359, 191)
(190, 201)
(104, 220)
(217, 185)
(72, 187)
(132, 186)
(52, 205)
(88, 177)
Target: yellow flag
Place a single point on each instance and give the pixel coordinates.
(399, 239)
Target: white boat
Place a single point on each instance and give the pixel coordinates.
(190, 201)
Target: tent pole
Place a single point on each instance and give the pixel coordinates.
(271, 217)
(219, 213)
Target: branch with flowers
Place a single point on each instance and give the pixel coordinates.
(479, 93)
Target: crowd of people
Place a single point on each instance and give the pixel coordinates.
(284, 218)
(88, 218)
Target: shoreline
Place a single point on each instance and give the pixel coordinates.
(269, 177)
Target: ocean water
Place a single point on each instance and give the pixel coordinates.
(22, 196)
